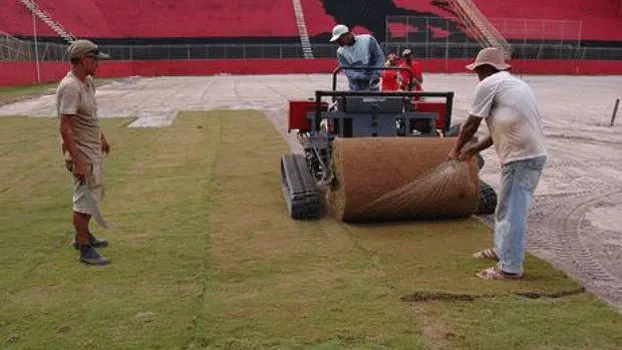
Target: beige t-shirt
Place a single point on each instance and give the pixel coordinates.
(509, 106)
(77, 98)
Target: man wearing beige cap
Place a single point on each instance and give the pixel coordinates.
(83, 143)
(509, 106)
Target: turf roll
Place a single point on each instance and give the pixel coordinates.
(406, 178)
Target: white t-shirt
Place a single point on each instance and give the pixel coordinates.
(509, 106)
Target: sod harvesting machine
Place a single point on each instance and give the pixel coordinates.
(356, 114)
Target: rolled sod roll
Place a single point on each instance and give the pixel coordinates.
(405, 178)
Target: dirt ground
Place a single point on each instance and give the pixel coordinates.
(576, 219)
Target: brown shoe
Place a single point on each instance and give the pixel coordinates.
(495, 273)
(487, 254)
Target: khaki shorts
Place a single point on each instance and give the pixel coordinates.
(95, 181)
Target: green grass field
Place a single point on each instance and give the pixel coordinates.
(10, 94)
(204, 256)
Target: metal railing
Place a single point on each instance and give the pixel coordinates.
(600, 53)
(520, 51)
(13, 49)
(436, 29)
(543, 30)
(422, 50)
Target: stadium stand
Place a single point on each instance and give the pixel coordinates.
(161, 19)
(601, 18)
(86, 17)
(16, 19)
(168, 37)
(364, 15)
(236, 19)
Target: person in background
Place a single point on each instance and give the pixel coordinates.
(391, 79)
(415, 67)
(359, 51)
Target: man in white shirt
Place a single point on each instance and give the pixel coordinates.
(509, 107)
(359, 51)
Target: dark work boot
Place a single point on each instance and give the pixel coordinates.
(89, 255)
(93, 242)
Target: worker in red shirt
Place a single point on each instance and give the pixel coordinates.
(391, 79)
(415, 67)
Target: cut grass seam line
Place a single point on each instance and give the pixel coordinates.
(348, 229)
(128, 123)
(195, 337)
(442, 296)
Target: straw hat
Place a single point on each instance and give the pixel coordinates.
(491, 56)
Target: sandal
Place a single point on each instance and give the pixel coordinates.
(487, 254)
(495, 273)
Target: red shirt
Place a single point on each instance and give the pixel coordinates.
(415, 67)
(390, 80)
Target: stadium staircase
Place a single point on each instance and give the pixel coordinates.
(47, 19)
(307, 51)
(479, 27)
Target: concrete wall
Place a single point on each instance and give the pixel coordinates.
(24, 73)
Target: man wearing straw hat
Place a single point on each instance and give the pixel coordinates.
(509, 107)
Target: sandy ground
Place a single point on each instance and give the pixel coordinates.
(576, 219)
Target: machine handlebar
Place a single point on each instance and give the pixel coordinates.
(340, 68)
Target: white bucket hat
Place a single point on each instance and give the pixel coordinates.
(491, 56)
(338, 31)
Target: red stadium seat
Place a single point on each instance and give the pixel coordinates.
(121, 19)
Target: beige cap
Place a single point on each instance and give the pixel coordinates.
(82, 48)
(491, 56)
(338, 31)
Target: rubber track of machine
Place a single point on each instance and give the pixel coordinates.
(299, 189)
